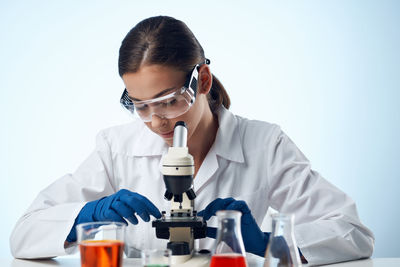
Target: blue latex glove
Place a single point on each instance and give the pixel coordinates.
(255, 241)
(116, 207)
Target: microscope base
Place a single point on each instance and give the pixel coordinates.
(197, 260)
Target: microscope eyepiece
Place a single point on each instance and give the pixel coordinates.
(180, 134)
(180, 123)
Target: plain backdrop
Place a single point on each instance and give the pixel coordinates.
(326, 71)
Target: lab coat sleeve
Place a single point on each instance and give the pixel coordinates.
(327, 227)
(42, 230)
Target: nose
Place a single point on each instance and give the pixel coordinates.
(157, 121)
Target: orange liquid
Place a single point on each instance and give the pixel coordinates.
(231, 260)
(101, 253)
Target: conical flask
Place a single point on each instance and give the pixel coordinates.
(229, 249)
(282, 249)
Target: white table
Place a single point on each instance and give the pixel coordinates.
(75, 262)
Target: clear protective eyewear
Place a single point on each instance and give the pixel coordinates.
(168, 106)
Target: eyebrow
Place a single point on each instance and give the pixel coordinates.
(163, 92)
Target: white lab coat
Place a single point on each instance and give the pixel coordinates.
(249, 160)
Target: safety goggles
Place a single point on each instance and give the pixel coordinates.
(168, 106)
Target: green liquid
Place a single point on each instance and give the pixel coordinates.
(156, 265)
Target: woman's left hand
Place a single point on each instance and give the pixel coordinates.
(255, 241)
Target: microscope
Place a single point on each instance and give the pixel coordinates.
(182, 226)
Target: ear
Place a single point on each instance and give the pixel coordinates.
(205, 79)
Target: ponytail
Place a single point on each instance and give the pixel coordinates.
(218, 96)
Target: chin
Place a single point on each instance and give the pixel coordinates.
(169, 141)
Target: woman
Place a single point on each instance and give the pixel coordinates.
(239, 164)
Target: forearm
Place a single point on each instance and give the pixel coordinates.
(342, 241)
(42, 233)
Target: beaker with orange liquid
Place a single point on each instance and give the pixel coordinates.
(101, 244)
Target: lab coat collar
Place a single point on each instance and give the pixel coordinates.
(228, 143)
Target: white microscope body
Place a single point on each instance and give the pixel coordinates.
(182, 226)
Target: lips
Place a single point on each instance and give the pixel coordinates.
(167, 134)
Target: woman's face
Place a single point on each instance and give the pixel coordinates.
(154, 81)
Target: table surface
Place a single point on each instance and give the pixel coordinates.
(69, 262)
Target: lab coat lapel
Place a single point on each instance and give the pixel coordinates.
(227, 145)
(206, 171)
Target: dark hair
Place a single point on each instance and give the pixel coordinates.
(167, 41)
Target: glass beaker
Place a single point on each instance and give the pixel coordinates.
(282, 249)
(229, 249)
(101, 243)
(156, 257)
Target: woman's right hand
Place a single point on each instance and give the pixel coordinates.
(117, 207)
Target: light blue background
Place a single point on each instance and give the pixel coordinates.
(326, 71)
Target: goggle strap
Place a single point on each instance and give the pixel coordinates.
(193, 82)
(125, 100)
(195, 75)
